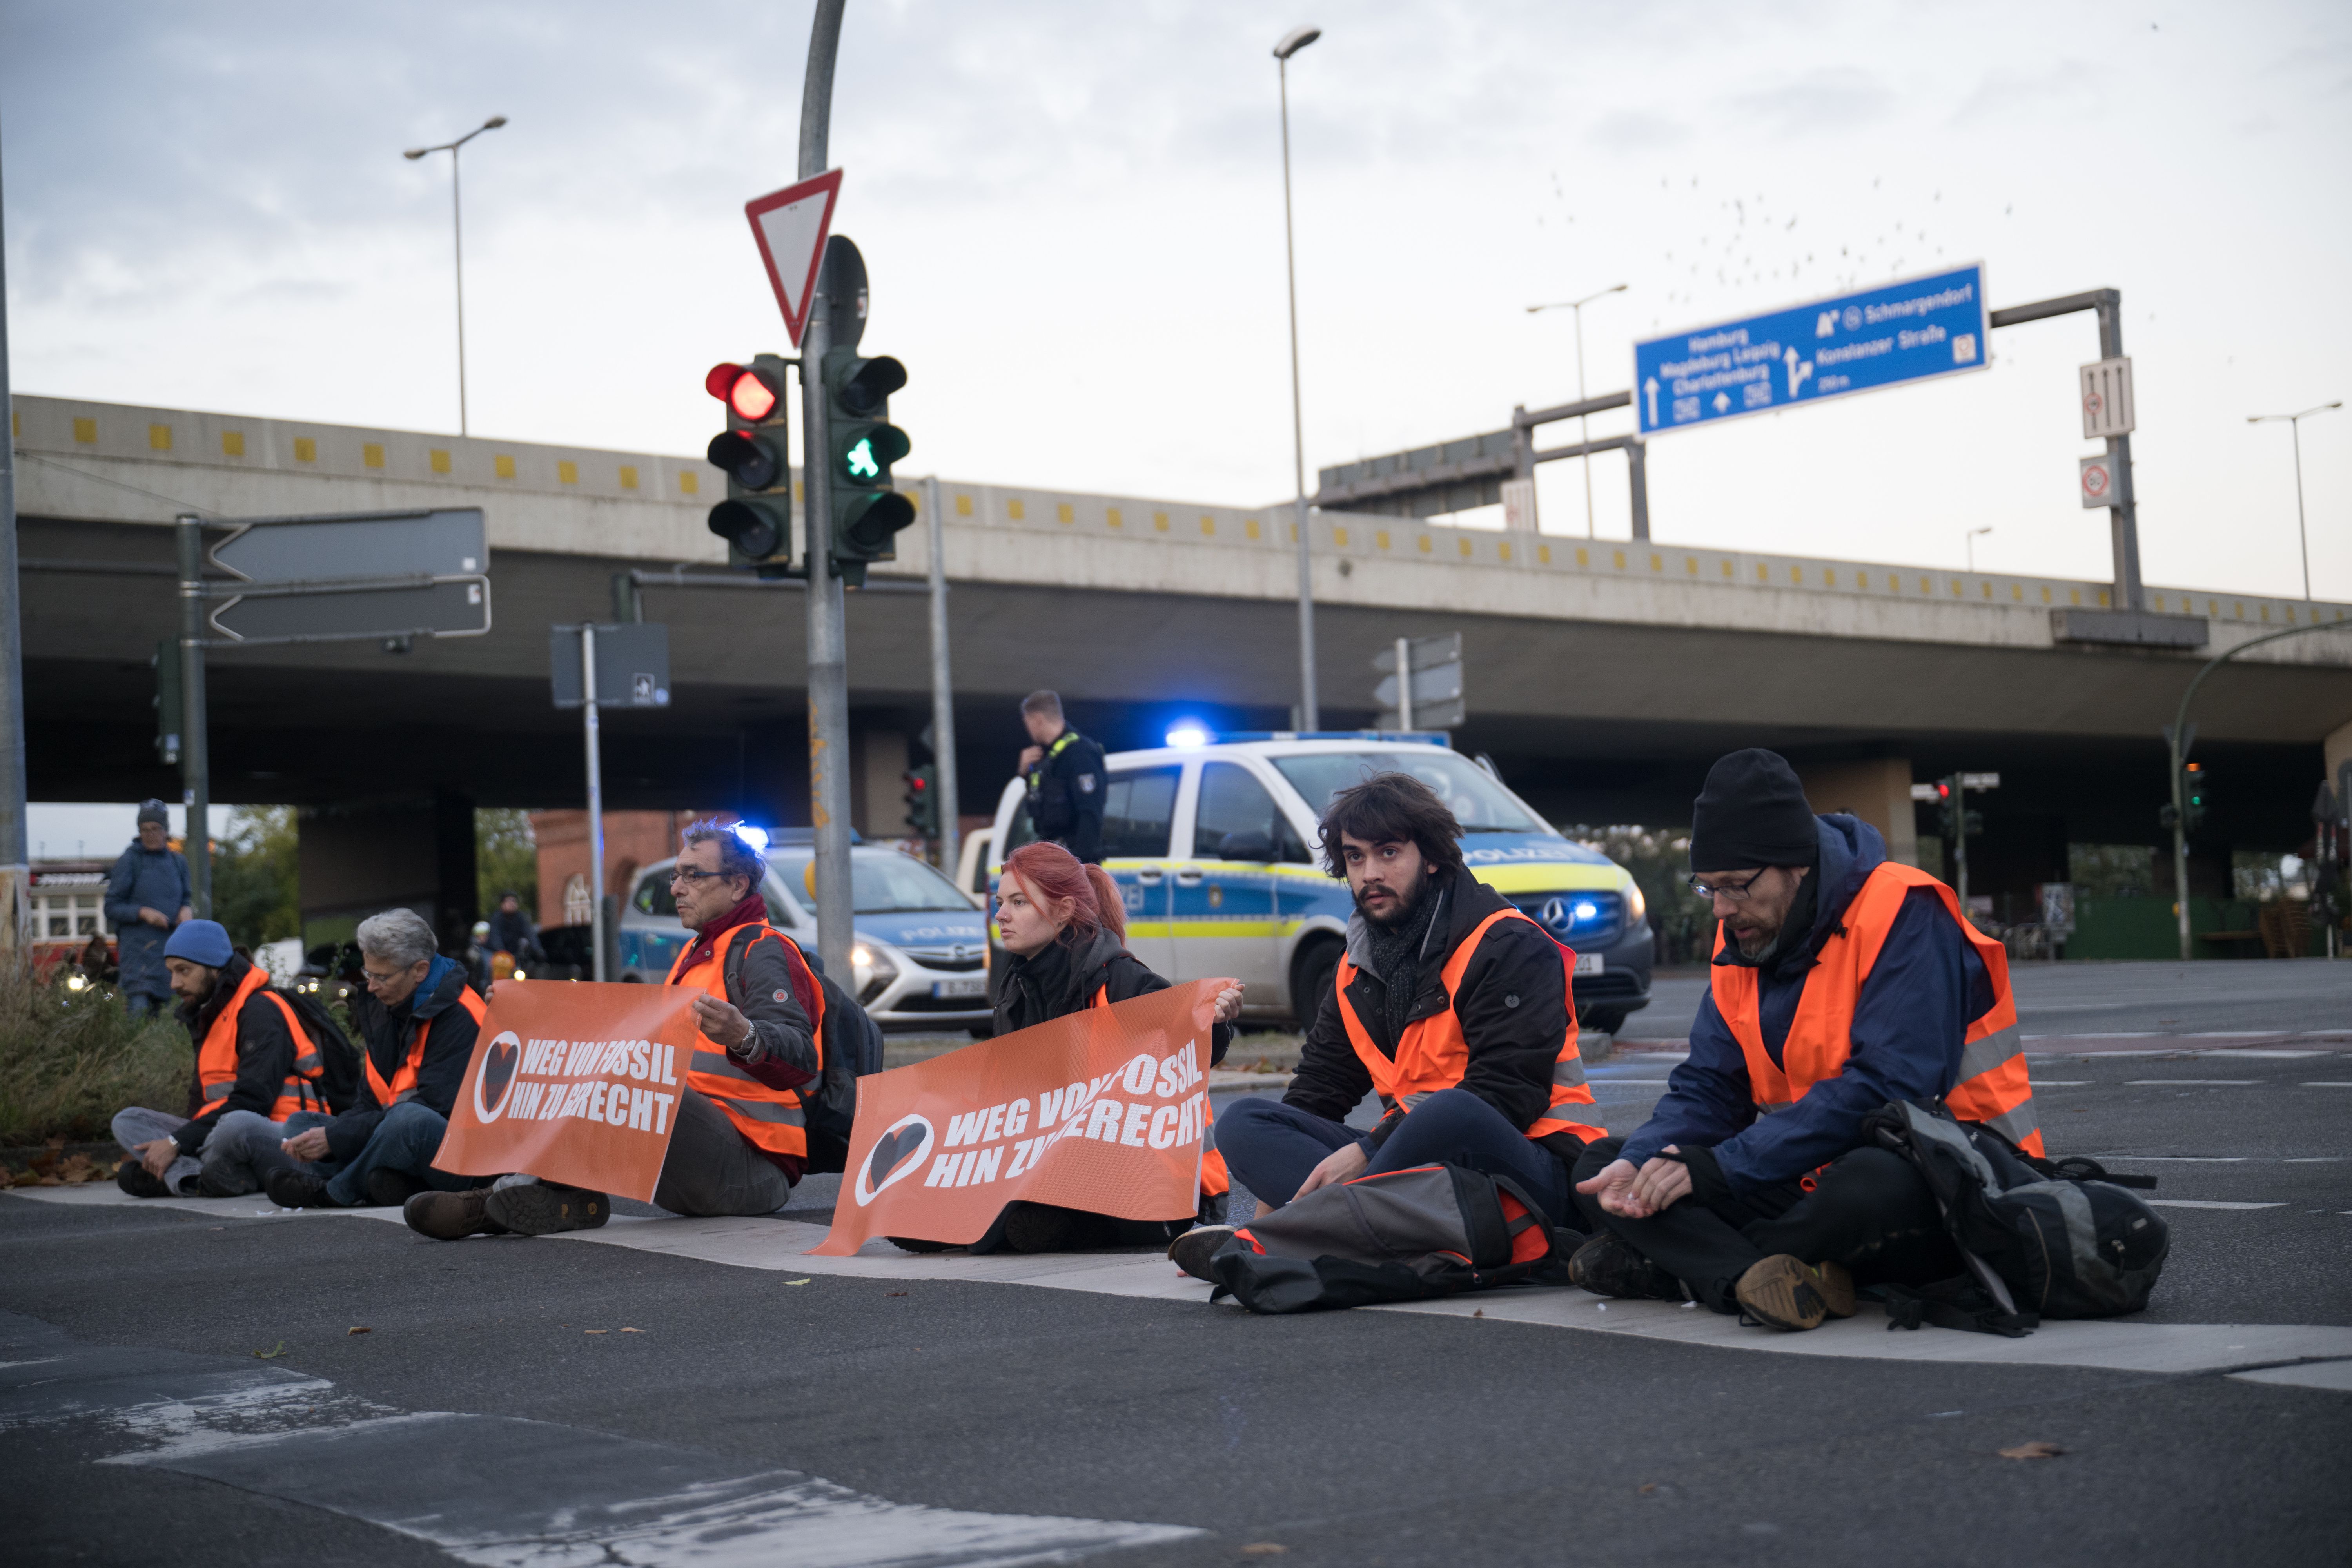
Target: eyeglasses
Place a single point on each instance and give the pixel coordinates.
(1732, 893)
(379, 977)
(688, 874)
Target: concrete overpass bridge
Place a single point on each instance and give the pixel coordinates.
(1603, 676)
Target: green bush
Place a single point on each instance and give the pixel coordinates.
(70, 1059)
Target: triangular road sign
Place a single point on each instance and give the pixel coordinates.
(790, 227)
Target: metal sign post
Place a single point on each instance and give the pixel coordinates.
(1422, 685)
(195, 741)
(623, 665)
(943, 755)
(589, 730)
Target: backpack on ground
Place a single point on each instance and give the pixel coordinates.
(1400, 1236)
(339, 1079)
(2041, 1238)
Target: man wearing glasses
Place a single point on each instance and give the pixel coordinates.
(418, 1020)
(1842, 980)
(763, 1077)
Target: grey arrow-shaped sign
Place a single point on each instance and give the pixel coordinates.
(1425, 651)
(356, 611)
(1440, 683)
(370, 545)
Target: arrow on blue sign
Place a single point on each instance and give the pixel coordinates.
(1915, 329)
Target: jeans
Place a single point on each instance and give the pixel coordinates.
(1271, 1148)
(405, 1140)
(1867, 1209)
(713, 1170)
(211, 1172)
(139, 1004)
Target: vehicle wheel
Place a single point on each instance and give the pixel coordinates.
(633, 980)
(1606, 1020)
(1310, 980)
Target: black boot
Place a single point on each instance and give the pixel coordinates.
(1047, 1227)
(391, 1189)
(543, 1208)
(451, 1216)
(139, 1181)
(298, 1190)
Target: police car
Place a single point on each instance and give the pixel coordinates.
(1211, 840)
(922, 958)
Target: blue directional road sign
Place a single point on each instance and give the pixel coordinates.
(1886, 336)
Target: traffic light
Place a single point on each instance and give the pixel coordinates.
(2194, 795)
(866, 512)
(1947, 822)
(755, 453)
(922, 802)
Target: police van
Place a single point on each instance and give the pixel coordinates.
(1211, 840)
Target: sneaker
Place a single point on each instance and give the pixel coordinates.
(298, 1190)
(543, 1208)
(391, 1189)
(1608, 1265)
(1192, 1251)
(451, 1216)
(1785, 1292)
(135, 1179)
(1048, 1227)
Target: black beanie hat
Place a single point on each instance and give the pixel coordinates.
(152, 811)
(1753, 811)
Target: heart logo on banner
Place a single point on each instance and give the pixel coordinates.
(498, 1064)
(897, 1154)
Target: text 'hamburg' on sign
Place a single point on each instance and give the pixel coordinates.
(1909, 330)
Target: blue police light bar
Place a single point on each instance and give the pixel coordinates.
(1409, 737)
(788, 837)
(756, 837)
(1189, 736)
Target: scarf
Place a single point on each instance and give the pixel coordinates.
(1396, 955)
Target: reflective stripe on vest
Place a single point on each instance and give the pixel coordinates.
(1991, 1086)
(767, 1118)
(217, 1059)
(1433, 1054)
(404, 1078)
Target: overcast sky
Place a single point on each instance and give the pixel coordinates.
(1072, 214)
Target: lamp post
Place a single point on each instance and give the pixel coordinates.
(1583, 422)
(1971, 538)
(1309, 718)
(2295, 423)
(458, 233)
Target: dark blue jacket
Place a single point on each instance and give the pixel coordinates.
(387, 1033)
(1908, 1024)
(149, 879)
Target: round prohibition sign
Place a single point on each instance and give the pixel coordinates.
(2095, 480)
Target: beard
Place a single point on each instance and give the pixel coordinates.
(1408, 898)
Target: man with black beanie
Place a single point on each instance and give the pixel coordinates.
(1842, 980)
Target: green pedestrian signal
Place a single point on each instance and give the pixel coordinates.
(868, 514)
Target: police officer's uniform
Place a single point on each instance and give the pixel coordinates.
(1066, 796)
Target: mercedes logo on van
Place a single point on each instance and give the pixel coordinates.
(1554, 913)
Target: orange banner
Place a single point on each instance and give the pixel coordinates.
(574, 1082)
(1101, 1111)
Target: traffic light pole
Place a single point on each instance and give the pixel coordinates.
(945, 805)
(829, 655)
(15, 870)
(593, 734)
(196, 745)
(1960, 838)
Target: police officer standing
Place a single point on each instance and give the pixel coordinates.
(146, 896)
(1064, 772)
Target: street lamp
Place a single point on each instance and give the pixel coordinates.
(1309, 718)
(1583, 425)
(457, 229)
(2294, 421)
(1972, 543)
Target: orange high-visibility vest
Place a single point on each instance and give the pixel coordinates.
(404, 1078)
(1993, 1086)
(1214, 1178)
(1434, 1054)
(217, 1059)
(770, 1119)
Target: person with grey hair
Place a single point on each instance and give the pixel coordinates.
(418, 1020)
(1064, 774)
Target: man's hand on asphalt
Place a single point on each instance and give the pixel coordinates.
(154, 917)
(309, 1145)
(157, 1157)
(1030, 757)
(722, 1021)
(1229, 1004)
(1341, 1166)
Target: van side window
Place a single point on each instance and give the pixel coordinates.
(654, 896)
(1139, 809)
(1234, 807)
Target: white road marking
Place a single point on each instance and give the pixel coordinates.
(2063, 1082)
(2190, 1082)
(2327, 1084)
(780, 1244)
(2330, 1374)
(2203, 1204)
(2177, 1158)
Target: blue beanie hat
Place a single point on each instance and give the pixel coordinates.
(199, 942)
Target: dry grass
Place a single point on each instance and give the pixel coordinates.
(70, 1060)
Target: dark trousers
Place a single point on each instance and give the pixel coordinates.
(1271, 1148)
(1868, 1210)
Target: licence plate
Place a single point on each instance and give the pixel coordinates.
(977, 987)
(1590, 963)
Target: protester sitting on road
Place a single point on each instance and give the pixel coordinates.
(1064, 925)
(1449, 1003)
(417, 1023)
(1063, 773)
(512, 930)
(1842, 980)
(252, 1055)
(147, 893)
(758, 1075)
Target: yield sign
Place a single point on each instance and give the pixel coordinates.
(789, 226)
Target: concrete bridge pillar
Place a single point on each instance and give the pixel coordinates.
(359, 860)
(1877, 790)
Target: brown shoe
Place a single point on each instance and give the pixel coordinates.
(1785, 1292)
(543, 1208)
(451, 1216)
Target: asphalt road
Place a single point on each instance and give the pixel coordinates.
(498, 1405)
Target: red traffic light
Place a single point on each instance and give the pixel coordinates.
(1943, 792)
(751, 394)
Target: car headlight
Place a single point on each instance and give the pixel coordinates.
(871, 968)
(1637, 907)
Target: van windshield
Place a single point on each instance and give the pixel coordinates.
(1477, 802)
(883, 884)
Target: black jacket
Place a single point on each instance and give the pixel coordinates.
(387, 1033)
(1514, 1007)
(1066, 796)
(1064, 979)
(264, 1054)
